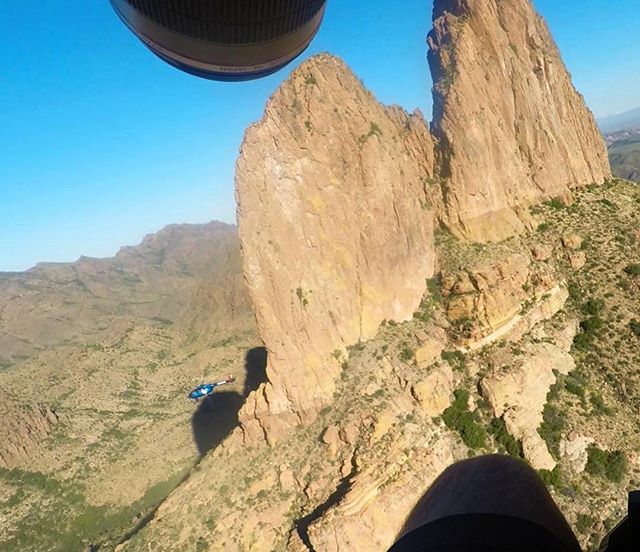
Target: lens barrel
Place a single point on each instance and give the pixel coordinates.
(224, 39)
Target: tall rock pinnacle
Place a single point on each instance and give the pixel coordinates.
(338, 194)
(512, 128)
(336, 228)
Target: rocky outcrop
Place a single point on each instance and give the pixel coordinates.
(336, 193)
(512, 128)
(336, 225)
(435, 392)
(501, 299)
(517, 392)
(575, 450)
(382, 495)
(22, 430)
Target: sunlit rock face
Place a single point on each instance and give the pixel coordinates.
(336, 225)
(512, 128)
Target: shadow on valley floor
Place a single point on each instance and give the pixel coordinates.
(217, 417)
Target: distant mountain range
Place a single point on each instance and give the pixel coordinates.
(188, 275)
(622, 134)
(622, 121)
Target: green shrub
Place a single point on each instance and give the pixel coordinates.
(632, 269)
(582, 342)
(374, 130)
(406, 353)
(609, 465)
(635, 327)
(462, 327)
(551, 478)
(455, 359)
(434, 286)
(589, 328)
(575, 387)
(543, 227)
(574, 291)
(592, 325)
(599, 407)
(584, 523)
(555, 203)
(553, 423)
(458, 418)
(593, 307)
(505, 440)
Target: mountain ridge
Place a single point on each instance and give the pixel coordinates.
(621, 121)
(148, 281)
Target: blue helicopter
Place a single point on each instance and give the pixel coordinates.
(205, 390)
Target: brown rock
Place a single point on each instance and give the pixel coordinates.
(435, 392)
(577, 259)
(331, 438)
(518, 393)
(429, 351)
(572, 241)
(336, 231)
(497, 293)
(564, 336)
(512, 128)
(541, 252)
(380, 498)
(574, 448)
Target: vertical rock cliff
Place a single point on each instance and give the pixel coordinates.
(336, 225)
(337, 193)
(512, 128)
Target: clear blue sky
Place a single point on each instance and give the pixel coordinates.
(101, 143)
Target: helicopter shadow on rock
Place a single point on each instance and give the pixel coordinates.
(216, 417)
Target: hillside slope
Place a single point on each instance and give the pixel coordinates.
(541, 323)
(155, 282)
(96, 428)
(625, 157)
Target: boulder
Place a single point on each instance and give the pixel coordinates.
(572, 241)
(541, 252)
(435, 392)
(429, 351)
(518, 392)
(574, 449)
(577, 259)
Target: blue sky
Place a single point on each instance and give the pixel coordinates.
(101, 143)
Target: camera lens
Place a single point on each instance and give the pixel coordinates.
(224, 39)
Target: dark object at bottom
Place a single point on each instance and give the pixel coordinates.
(480, 533)
(626, 536)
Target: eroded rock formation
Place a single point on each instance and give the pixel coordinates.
(337, 193)
(504, 298)
(22, 429)
(518, 392)
(512, 128)
(335, 219)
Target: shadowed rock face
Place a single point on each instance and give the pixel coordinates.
(512, 128)
(336, 227)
